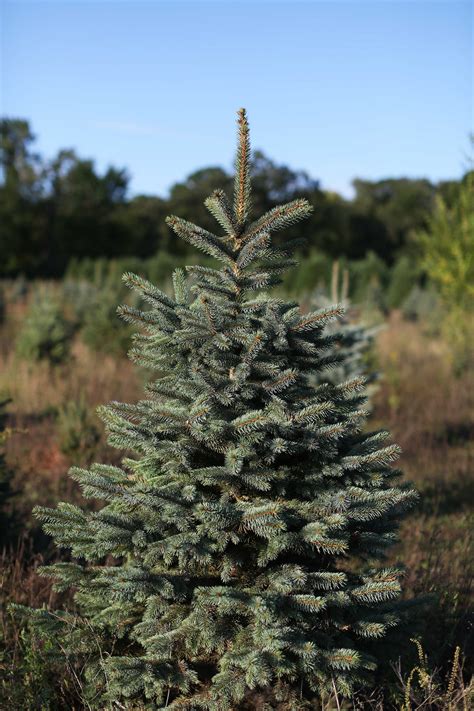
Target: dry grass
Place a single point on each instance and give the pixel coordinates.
(430, 413)
(36, 388)
(37, 391)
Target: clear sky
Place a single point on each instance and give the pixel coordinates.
(340, 89)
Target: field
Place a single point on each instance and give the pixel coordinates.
(429, 410)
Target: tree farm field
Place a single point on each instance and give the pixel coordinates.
(236, 356)
(428, 409)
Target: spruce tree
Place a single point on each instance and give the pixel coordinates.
(232, 555)
(353, 339)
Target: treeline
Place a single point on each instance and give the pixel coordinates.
(56, 210)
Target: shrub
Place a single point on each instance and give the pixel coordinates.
(78, 433)
(448, 248)
(312, 271)
(45, 334)
(368, 278)
(404, 277)
(102, 329)
(448, 259)
(423, 304)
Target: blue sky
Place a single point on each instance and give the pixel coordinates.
(340, 89)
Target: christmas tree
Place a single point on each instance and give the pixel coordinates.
(353, 339)
(232, 554)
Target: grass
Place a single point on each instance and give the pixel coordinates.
(39, 392)
(429, 410)
(430, 413)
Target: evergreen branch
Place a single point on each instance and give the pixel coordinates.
(250, 421)
(317, 319)
(148, 290)
(200, 238)
(309, 602)
(286, 379)
(214, 275)
(254, 348)
(279, 217)
(377, 591)
(242, 185)
(314, 413)
(146, 318)
(211, 315)
(381, 457)
(343, 658)
(254, 248)
(220, 208)
(180, 286)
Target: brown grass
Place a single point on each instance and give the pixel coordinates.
(430, 413)
(38, 387)
(37, 391)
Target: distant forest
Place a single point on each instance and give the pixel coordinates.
(53, 210)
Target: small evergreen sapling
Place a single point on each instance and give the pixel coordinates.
(220, 563)
(45, 333)
(353, 339)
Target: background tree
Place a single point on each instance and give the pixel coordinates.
(397, 207)
(448, 260)
(20, 193)
(45, 333)
(80, 208)
(61, 209)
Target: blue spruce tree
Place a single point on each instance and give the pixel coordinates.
(220, 568)
(353, 338)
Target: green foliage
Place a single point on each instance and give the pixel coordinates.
(404, 276)
(312, 271)
(353, 340)
(223, 561)
(423, 304)
(77, 298)
(448, 248)
(100, 271)
(399, 206)
(32, 678)
(108, 271)
(448, 259)
(369, 276)
(18, 194)
(90, 295)
(102, 329)
(78, 433)
(45, 332)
